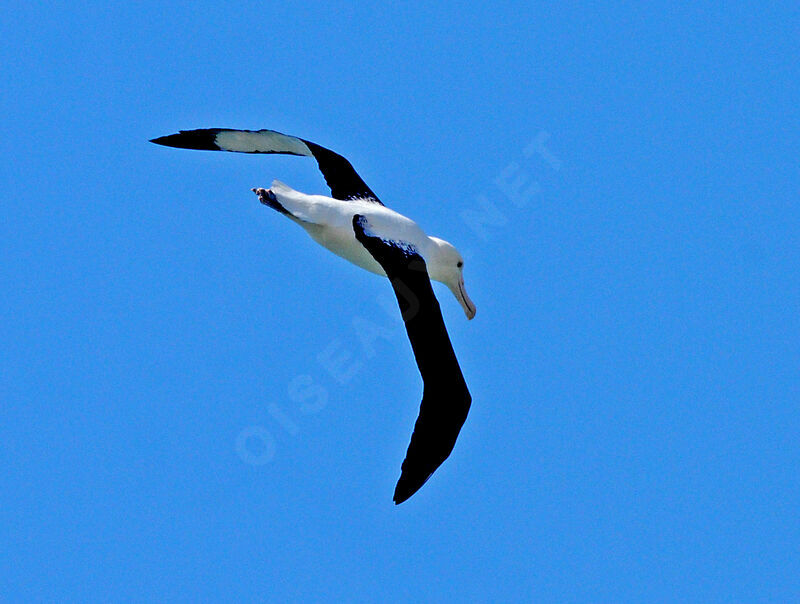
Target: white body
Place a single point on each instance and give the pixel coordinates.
(329, 222)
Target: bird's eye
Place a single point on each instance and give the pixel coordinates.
(460, 264)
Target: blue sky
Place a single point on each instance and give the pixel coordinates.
(190, 409)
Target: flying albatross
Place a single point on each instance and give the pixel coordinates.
(355, 225)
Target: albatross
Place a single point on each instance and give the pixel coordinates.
(354, 224)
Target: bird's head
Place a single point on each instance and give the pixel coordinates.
(447, 267)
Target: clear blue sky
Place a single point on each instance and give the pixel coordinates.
(190, 410)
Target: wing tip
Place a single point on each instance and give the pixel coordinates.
(408, 485)
(402, 492)
(203, 140)
(400, 498)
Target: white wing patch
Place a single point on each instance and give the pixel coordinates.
(262, 141)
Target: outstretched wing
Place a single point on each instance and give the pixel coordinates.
(445, 399)
(344, 181)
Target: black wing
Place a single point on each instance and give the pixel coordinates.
(344, 181)
(445, 399)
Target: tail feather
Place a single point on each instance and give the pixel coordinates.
(286, 200)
